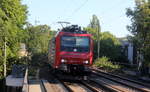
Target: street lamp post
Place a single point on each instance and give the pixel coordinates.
(98, 43)
(5, 57)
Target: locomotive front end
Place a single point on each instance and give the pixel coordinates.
(74, 51)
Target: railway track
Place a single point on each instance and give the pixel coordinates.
(107, 86)
(124, 78)
(51, 83)
(63, 86)
(98, 82)
(79, 87)
(120, 84)
(92, 87)
(47, 86)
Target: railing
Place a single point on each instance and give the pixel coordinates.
(25, 82)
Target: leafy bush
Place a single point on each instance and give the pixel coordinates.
(32, 71)
(104, 62)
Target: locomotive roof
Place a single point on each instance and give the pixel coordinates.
(74, 29)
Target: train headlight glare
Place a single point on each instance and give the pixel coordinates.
(63, 60)
(86, 62)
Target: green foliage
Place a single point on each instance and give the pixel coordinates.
(110, 46)
(13, 16)
(32, 72)
(93, 32)
(104, 62)
(94, 24)
(38, 60)
(140, 27)
(15, 11)
(38, 38)
(95, 29)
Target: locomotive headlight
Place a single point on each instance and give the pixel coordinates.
(86, 62)
(63, 61)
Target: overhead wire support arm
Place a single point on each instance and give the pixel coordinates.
(63, 22)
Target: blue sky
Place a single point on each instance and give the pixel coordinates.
(111, 13)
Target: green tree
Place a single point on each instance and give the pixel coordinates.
(15, 11)
(38, 38)
(93, 32)
(12, 19)
(110, 46)
(95, 25)
(140, 27)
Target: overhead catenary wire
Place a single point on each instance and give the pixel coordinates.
(77, 9)
(80, 7)
(57, 19)
(111, 8)
(122, 2)
(74, 11)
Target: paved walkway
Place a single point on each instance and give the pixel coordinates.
(34, 86)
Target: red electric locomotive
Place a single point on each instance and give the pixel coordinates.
(71, 50)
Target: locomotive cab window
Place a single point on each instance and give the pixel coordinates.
(75, 43)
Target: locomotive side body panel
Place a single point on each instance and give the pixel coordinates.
(51, 52)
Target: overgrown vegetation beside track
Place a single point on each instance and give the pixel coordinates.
(106, 64)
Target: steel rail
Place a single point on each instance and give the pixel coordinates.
(89, 87)
(121, 82)
(117, 76)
